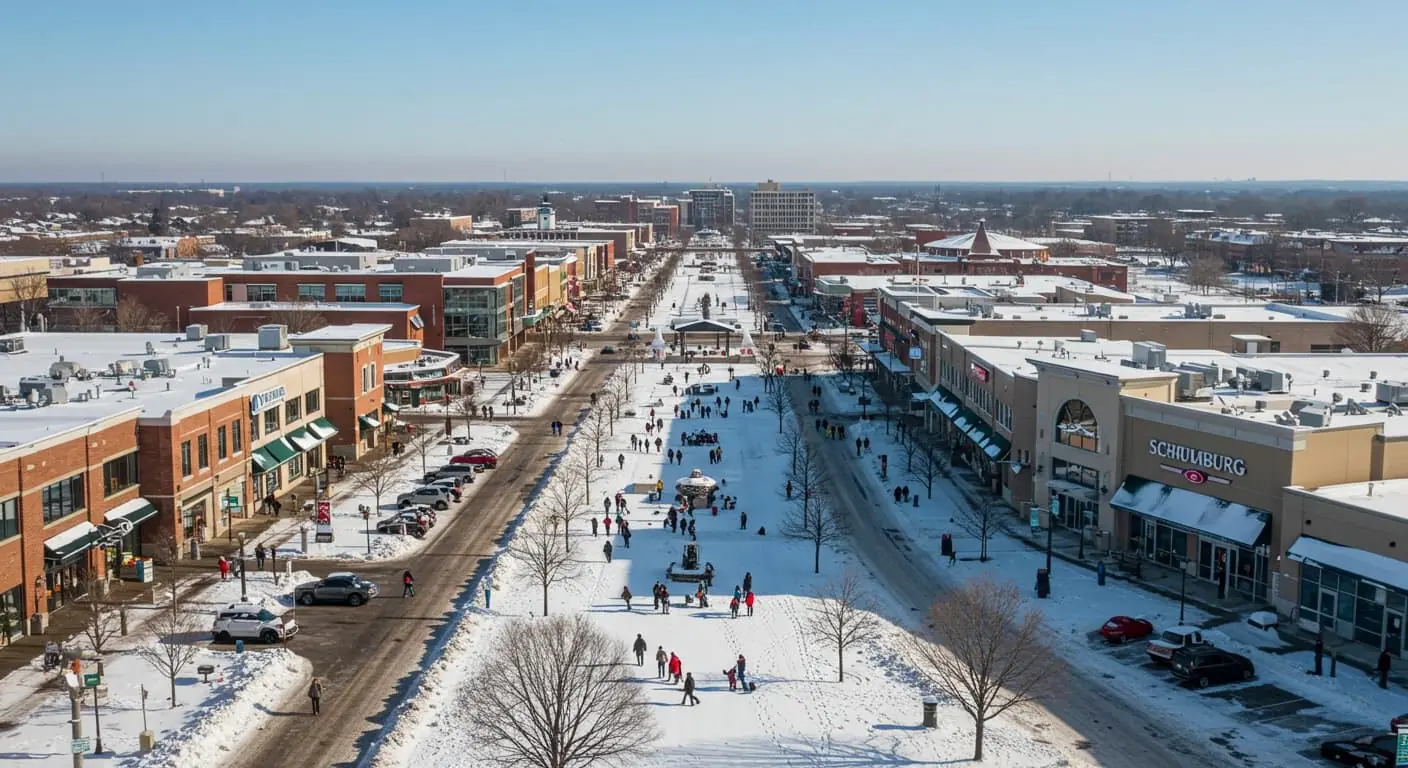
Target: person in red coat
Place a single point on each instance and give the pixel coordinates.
(676, 667)
(748, 601)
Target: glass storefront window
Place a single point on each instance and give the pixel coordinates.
(11, 610)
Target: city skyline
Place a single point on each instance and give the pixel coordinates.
(905, 91)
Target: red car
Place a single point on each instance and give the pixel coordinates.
(481, 457)
(1121, 628)
(1397, 722)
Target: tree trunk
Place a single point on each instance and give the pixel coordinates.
(816, 562)
(978, 740)
(172, 677)
(840, 663)
(545, 600)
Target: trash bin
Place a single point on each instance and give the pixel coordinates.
(239, 646)
(931, 712)
(1043, 582)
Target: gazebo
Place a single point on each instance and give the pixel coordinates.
(704, 325)
(698, 489)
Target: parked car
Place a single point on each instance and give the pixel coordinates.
(1172, 640)
(422, 512)
(1398, 722)
(247, 621)
(1120, 629)
(403, 526)
(477, 457)
(430, 478)
(608, 350)
(451, 484)
(462, 471)
(339, 587)
(1203, 665)
(1376, 750)
(439, 498)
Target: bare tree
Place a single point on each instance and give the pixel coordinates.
(843, 616)
(175, 639)
(1206, 273)
(552, 694)
(791, 443)
(595, 429)
(909, 442)
(987, 651)
(617, 391)
(424, 445)
(778, 400)
(29, 291)
(548, 559)
(376, 475)
(300, 317)
(813, 517)
(87, 319)
(562, 498)
(842, 357)
(1373, 328)
(929, 469)
(133, 316)
(466, 406)
(768, 359)
(101, 623)
(582, 463)
(983, 521)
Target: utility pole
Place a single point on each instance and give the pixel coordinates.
(75, 699)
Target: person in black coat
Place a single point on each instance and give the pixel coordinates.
(640, 648)
(689, 690)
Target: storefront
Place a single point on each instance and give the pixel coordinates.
(126, 521)
(1357, 595)
(66, 564)
(287, 461)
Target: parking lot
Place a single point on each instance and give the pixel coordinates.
(1258, 703)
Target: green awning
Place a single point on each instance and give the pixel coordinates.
(72, 542)
(303, 439)
(368, 422)
(944, 402)
(389, 407)
(995, 447)
(964, 420)
(280, 450)
(262, 461)
(135, 512)
(322, 428)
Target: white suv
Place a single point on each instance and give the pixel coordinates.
(247, 621)
(436, 497)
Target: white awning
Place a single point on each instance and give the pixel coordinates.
(1204, 515)
(893, 364)
(1367, 565)
(74, 534)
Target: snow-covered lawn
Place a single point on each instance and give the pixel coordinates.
(351, 537)
(799, 714)
(210, 719)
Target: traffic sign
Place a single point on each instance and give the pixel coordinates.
(91, 681)
(1401, 754)
(81, 745)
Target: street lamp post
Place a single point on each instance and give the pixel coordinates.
(244, 592)
(1182, 587)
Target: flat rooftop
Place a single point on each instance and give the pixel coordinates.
(192, 379)
(308, 306)
(1388, 497)
(490, 270)
(1273, 312)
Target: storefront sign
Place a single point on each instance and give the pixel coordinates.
(978, 372)
(1200, 459)
(258, 403)
(324, 512)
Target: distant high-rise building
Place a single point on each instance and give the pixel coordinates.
(547, 217)
(773, 210)
(711, 208)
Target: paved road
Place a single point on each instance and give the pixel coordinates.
(1086, 714)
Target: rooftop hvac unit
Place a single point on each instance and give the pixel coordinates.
(1150, 354)
(158, 366)
(1106, 310)
(273, 338)
(1088, 335)
(1314, 417)
(1353, 408)
(38, 389)
(1273, 381)
(122, 367)
(1191, 385)
(64, 370)
(1168, 298)
(151, 348)
(1394, 392)
(196, 331)
(1299, 405)
(217, 342)
(12, 345)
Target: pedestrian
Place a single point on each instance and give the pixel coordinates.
(620, 521)
(905, 490)
(676, 667)
(259, 553)
(748, 581)
(625, 591)
(788, 488)
(867, 445)
(657, 445)
(655, 597)
(737, 593)
(733, 607)
(952, 555)
(732, 675)
(606, 505)
(626, 535)
(52, 656)
(640, 648)
(897, 494)
(664, 598)
(315, 695)
(594, 525)
(670, 454)
(748, 601)
(408, 585)
(606, 521)
(689, 690)
(742, 521)
(606, 550)
(1385, 664)
(224, 568)
(858, 447)
(661, 660)
(741, 667)
(691, 530)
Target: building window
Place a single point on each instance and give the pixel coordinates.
(10, 517)
(11, 605)
(186, 459)
(1076, 426)
(366, 379)
(1074, 474)
(262, 292)
(295, 467)
(63, 498)
(293, 410)
(203, 451)
(311, 402)
(271, 421)
(236, 439)
(389, 292)
(253, 427)
(221, 448)
(119, 474)
(312, 292)
(349, 292)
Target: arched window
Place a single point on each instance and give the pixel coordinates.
(1076, 426)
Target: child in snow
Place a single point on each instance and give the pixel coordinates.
(732, 676)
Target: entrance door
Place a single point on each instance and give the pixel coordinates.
(1328, 599)
(1393, 632)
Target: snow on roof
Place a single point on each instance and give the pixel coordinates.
(309, 306)
(1384, 570)
(193, 380)
(998, 242)
(77, 532)
(491, 269)
(350, 332)
(1272, 312)
(1388, 497)
(122, 510)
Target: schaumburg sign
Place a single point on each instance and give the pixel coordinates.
(1213, 462)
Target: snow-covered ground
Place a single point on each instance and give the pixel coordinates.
(209, 720)
(357, 539)
(1078, 606)
(799, 714)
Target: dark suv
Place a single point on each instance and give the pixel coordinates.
(1204, 665)
(346, 588)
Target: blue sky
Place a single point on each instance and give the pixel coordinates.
(460, 90)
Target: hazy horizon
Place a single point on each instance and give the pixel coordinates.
(904, 91)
